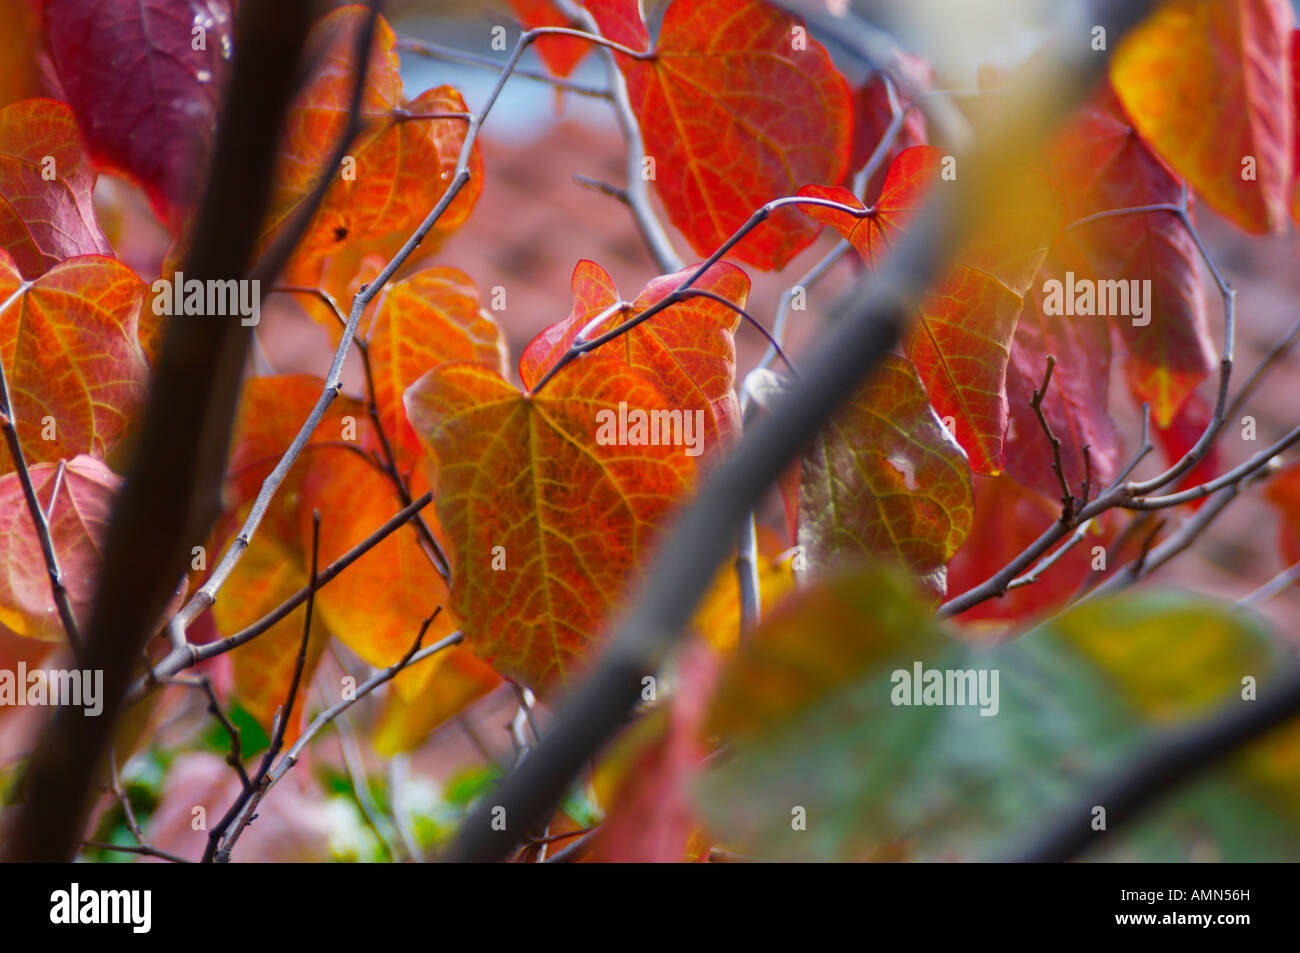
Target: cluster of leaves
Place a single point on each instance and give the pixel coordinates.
(950, 460)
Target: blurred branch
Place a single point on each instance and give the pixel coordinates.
(1163, 765)
(171, 492)
(867, 326)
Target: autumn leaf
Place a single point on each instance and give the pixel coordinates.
(737, 106)
(448, 683)
(270, 571)
(46, 181)
(271, 411)
(1102, 165)
(77, 374)
(1008, 517)
(688, 350)
(1076, 407)
(377, 606)
(964, 327)
(717, 617)
(646, 781)
(145, 78)
(888, 761)
(560, 54)
(1283, 492)
(397, 169)
(1295, 119)
(20, 50)
(872, 117)
(424, 320)
(885, 481)
(1182, 434)
(1220, 65)
(548, 519)
(78, 521)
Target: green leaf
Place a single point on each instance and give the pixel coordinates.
(1075, 699)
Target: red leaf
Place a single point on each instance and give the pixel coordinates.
(46, 214)
(873, 116)
(1283, 491)
(651, 816)
(78, 526)
(1181, 435)
(734, 114)
(1102, 164)
(1076, 405)
(145, 99)
(687, 350)
(1008, 517)
(1196, 66)
(962, 339)
(549, 523)
(560, 54)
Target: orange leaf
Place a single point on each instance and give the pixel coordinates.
(426, 319)
(377, 605)
(20, 45)
(560, 54)
(77, 374)
(738, 106)
(270, 572)
(450, 682)
(271, 412)
(884, 480)
(1197, 66)
(688, 350)
(530, 486)
(717, 619)
(399, 166)
(44, 220)
(78, 526)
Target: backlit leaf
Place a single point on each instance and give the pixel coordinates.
(885, 481)
(146, 99)
(1102, 165)
(46, 214)
(78, 527)
(560, 54)
(397, 168)
(1221, 65)
(269, 573)
(536, 485)
(963, 330)
(454, 680)
(77, 374)
(377, 605)
(737, 107)
(426, 319)
(687, 350)
(1076, 404)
